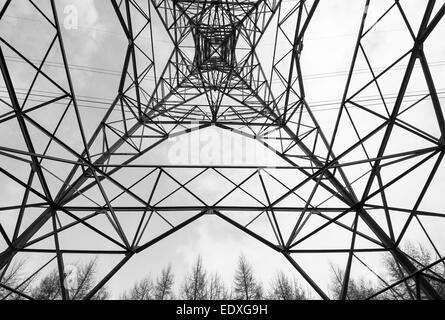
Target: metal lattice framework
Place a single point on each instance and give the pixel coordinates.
(214, 76)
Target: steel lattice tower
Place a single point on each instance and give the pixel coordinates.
(214, 77)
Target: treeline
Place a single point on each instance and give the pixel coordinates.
(359, 289)
(48, 287)
(199, 284)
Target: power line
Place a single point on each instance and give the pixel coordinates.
(313, 76)
(317, 105)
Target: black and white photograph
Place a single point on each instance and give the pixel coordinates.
(220, 157)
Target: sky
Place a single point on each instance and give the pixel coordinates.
(95, 52)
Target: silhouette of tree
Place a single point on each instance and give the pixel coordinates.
(13, 278)
(142, 290)
(421, 257)
(358, 289)
(49, 287)
(195, 283)
(283, 288)
(164, 285)
(246, 286)
(217, 289)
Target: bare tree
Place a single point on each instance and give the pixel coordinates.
(245, 285)
(12, 278)
(164, 285)
(49, 287)
(283, 288)
(358, 289)
(143, 290)
(195, 283)
(421, 257)
(217, 289)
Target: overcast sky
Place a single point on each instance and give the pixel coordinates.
(96, 50)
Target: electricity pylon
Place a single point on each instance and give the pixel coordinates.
(214, 76)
